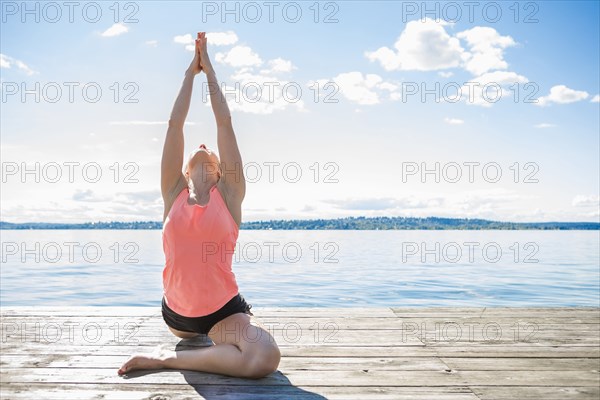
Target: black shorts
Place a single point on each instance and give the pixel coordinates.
(204, 324)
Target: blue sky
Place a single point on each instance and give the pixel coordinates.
(364, 146)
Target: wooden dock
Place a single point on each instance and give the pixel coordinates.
(349, 353)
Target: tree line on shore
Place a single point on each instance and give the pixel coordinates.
(348, 223)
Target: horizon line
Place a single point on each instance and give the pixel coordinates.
(313, 220)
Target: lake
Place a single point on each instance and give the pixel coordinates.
(330, 268)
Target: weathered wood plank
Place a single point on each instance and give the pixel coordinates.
(503, 337)
(292, 336)
(350, 312)
(567, 312)
(293, 377)
(546, 325)
(155, 326)
(364, 323)
(298, 351)
(522, 364)
(127, 391)
(530, 378)
(506, 320)
(287, 363)
(304, 312)
(536, 392)
(480, 350)
(309, 378)
(357, 323)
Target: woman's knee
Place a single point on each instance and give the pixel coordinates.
(262, 362)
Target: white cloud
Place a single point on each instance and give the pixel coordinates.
(151, 43)
(184, 39)
(279, 65)
(4, 63)
(561, 94)
(308, 208)
(221, 38)
(388, 86)
(214, 38)
(115, 30)
(486, 49)
(497, 85)
(596, 99)
(239, 56)
(502, 78)
(384, 203)
(89, 195)
(139, 197)
(454, 121)
(268, 99)
(256, 92)
(325, 87)
(423, 46)
(128, 123)
(361, 89)
(485, 202)
(8, 62)
(395, 96)
(586, 201)
(544, 125)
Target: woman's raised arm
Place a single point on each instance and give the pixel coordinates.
(229, 153)
(172, 157)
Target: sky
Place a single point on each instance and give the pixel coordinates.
(351, 108)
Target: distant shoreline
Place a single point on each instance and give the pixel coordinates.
(348, 223)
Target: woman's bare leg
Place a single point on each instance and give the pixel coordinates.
(241, 349)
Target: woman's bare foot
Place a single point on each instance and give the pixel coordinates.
(153, 360)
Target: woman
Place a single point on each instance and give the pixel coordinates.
(201, 223)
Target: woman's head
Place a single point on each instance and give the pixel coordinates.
(203, 163)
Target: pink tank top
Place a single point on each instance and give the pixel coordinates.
(199, 242)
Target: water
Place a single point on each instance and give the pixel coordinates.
(314, 268)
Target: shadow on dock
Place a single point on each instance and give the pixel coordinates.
(209, 386)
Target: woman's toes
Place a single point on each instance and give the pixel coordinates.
(128, 365)
(122, 370)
